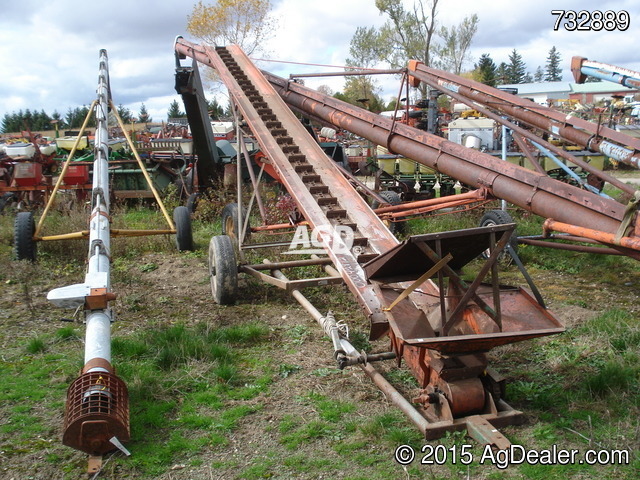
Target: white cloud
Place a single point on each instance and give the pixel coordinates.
(49, 51)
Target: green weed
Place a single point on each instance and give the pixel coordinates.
(67, 333)
(613, 378)
(36, 345)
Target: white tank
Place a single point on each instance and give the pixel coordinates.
(471, 141)
(329, 133)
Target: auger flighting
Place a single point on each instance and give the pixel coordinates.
(97, 410)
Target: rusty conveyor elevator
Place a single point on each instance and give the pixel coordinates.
(412, 291)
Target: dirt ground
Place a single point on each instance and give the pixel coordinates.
(183, 279)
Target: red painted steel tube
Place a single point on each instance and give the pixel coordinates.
(632, 243)
(594, 137)
(531, 190)
(472, 195)
(433, 208)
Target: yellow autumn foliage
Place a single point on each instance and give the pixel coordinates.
(243, 22)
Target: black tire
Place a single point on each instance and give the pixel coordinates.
(24, 244)
(231, 223)
(392, 198)
(192, 202)
(500, 217)
(223, 270)
(184, 236)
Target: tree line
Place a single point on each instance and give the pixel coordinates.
(40, 121)
(515, 70)
(216, 111)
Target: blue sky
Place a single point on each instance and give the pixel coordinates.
(49, 51)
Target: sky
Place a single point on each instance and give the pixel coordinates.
(49, 50)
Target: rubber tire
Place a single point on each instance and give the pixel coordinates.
(184, 235)
(231, 223)
(223, 270)
(24, 246)
(500, 217)
(392, 198)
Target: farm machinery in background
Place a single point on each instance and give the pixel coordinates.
(412, 291)
(30, 164)
(28, 178)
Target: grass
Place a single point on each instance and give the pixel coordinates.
(202, 385)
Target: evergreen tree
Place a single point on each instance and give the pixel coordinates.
(502, 76)
(516, 69)
(539, 75)
(125, 114)
(27, 119)
(216, 111)
(7, 123)
(69, 117)
(487, 70)
(143, 115)
(174, 110)
(552, 68)
(84, 111)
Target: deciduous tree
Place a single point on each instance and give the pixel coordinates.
(457, 39)
(412, 33)
(243, 22)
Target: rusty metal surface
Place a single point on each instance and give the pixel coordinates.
(289, 143)
(530, 190)
(325, 197)
(473, 195)
(521, 318)
(97, 410)
(594, 137)
(406, 261)
(570, 247)
(485, 433)
(497, 315)
(465, 396)
(516, 326)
